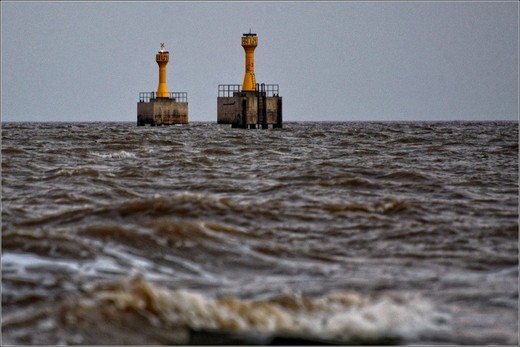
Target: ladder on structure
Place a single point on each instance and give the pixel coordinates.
(262, 106)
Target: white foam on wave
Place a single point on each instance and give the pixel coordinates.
(340, 315)
(114, 155)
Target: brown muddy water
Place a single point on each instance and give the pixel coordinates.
(117, 234)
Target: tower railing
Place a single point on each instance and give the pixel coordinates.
(175, 96)
(229, 90)
(269, 89)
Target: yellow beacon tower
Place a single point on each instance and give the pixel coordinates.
(249, 105)
(249, 42)
(162, 59)
(162, 107)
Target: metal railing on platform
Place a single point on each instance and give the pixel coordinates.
(269, 89)
(175, 96)
(228, 90)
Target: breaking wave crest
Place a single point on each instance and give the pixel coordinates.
(339, 316)
(114, 155)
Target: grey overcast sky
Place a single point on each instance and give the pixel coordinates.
(347, 61)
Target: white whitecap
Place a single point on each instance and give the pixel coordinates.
(114, 155)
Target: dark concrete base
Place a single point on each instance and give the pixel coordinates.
(250, 109)
(162, 111)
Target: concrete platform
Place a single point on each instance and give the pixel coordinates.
(162, 111)
(250, 109)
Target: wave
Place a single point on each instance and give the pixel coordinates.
(45, 244)
(183, 204)
(386, 207)
(114, 155)
(85, 171)
(410, 140)
(164, 235)
(218, 151)
(189, 205)
(339, 316)
(163, 232)
(192, 205)
(406, 175)
(347, 182)
(12, 150)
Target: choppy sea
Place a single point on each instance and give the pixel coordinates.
(341, 232)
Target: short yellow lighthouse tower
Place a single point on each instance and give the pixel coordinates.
(162, 107)
(249, 105)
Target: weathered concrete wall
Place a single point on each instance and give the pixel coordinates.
(162, 112)
(272, 109)
(229, 110)
(144, 112)
(252, 108)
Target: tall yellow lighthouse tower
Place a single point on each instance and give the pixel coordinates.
(162, 59)
(249, 105)
(162, 107)
(249, 42)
